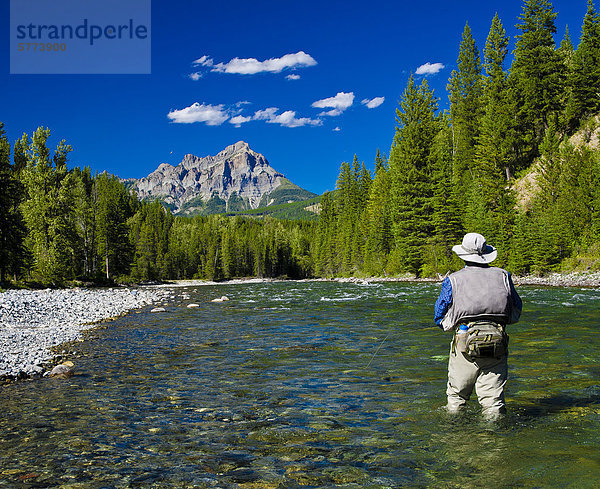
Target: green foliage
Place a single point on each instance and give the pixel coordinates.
(289, 211)
(465, 89)
(48, 209)
(455, 173)
(217, 247)
(325, 251)
(12, 227)
(378, 220)
(286, 193)
(410, 173)
(114, 206)
(197, 205)
(235, 203)
(537, 78)
(493, 156)
(446, 207)
(585, 70)
(149, 230)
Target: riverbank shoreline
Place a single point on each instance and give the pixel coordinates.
(572, 279)
(34, 322)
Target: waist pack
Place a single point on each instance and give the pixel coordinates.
(483, 339)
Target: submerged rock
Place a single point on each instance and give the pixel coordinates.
(63, 371)
(223, 298)
(158, 309)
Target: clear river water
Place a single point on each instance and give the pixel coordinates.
(308, 384)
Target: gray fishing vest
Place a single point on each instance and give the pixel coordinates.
(479, 293)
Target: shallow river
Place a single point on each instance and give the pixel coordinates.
(308, 385)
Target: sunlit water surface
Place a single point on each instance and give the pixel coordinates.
(308, 385)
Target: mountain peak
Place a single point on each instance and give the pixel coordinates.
(236, 175)
(235, 148)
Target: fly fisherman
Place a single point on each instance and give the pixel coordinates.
(477, 303)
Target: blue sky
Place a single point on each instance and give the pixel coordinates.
(293, 79)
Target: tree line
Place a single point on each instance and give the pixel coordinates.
(512, 158)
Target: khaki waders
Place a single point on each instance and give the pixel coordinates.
(487, 375)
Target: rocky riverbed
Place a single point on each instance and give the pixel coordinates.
(573, 279)
(34, 321)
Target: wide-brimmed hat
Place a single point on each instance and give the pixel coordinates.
(475, 249)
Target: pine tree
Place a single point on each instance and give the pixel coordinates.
(325, 261)
(519, 259)
(36, 207)
(85, 222)
(410, 171)
(228, 250)
(350, 200)
(493, 152)
(18, 256)
(360, 229)
(113, 209)
(549, 167)
(567, 53)
(585, 78)
(536, 79)
(11, 221)
(63, 228)
(566, 49)
(48, 209)
(446, 203)
(377, 220)
(489, 210)
(465, 90)
(6, 203)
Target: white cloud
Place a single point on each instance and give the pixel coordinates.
(204, 61)
(266, 114)
(336, 129)
(238, 120)
(251, 66)
(215, 115)
(212, 115)
(286, 119)
(293, 76)
(429, 69)
(339, 103)
(195, 76)
(374, 102)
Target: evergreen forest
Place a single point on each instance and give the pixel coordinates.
(516, 157)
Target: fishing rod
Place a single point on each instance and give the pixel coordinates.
(377, 351)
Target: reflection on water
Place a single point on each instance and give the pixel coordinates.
(308, 385)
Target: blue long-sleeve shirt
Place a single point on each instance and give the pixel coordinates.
(444, 301)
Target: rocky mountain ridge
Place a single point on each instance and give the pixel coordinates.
(237, 178)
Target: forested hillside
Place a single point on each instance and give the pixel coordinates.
(515, 158)
(464, 169)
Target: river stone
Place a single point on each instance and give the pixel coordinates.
(62, 371)
(158, 309)
(221, 299)
(193, 305)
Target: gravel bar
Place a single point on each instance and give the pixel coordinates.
(33, 321)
